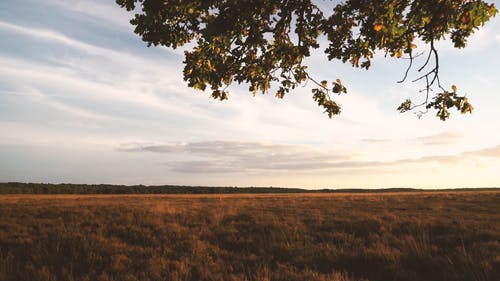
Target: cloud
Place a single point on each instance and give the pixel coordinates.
(493, 152)
(74, 110)
(56, 37)
(234, 149)
(255, 157)
(440, 139)
(31, 135)
(61, 82)
(369, 140)
(239, 156)
(53, 36)
(97, 74)
(98, 11)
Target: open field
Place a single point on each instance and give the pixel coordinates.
(340, 237)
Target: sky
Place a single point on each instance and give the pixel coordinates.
(84, 100)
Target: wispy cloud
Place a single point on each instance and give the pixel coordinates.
(96, 72)
(73, 110)
(99, 11)
(440, 139)
(65, 82)
(31, 135)
(239, 156)
(244, 157)
(50, 35)
(493, 152)
(369, 140)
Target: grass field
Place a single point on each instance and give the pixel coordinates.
(339, 237)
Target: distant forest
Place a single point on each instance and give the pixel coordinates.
(46, 188)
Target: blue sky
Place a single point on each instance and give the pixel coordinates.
(83, 100)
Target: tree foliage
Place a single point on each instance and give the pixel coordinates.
(263, 43)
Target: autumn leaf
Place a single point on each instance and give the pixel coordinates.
(378, 27)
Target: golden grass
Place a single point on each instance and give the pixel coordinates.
(340, 237)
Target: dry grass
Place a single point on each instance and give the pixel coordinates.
(340, 237)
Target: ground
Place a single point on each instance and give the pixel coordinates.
(341, 237)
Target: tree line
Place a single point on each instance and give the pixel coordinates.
(68, 188)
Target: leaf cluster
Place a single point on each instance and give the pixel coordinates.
(263, 43)
(441, 103)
